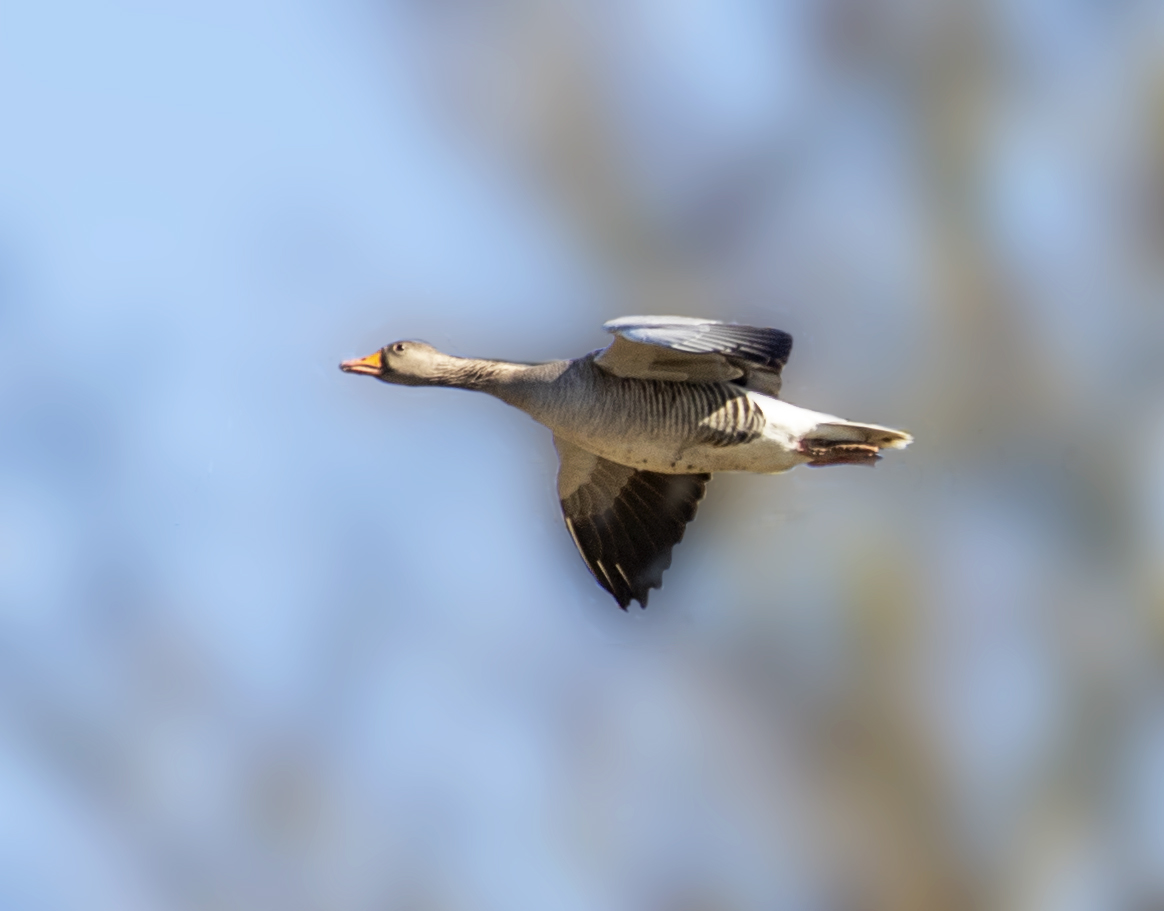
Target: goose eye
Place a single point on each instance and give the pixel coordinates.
(398, 347)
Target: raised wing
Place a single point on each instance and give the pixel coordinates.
(624, 522)
(684, 349)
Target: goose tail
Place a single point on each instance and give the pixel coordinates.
(848, 443)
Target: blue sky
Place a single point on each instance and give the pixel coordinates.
(267, 630)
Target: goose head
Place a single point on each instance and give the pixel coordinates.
(406, 363)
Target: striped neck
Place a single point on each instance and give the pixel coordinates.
(475, 373)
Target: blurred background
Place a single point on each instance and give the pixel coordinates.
(276, 637)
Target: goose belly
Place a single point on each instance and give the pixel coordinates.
(765, 455)
(775, 449)
(677, 428)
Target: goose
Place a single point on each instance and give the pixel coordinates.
(642, 424)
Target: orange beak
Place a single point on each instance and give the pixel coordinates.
(370, 365)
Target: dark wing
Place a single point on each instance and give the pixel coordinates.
(624, 521)
(684, 349)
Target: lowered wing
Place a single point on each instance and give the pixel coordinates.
(624, 522)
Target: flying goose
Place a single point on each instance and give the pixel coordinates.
(641, 424)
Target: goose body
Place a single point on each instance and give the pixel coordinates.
(642, 424)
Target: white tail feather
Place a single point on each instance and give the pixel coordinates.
(868, 434)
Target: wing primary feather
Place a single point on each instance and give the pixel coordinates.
(706, 350)
(625, 523)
